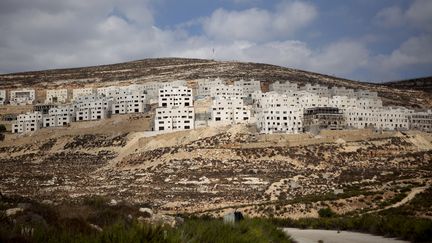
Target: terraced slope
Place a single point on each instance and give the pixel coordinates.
(210, 170)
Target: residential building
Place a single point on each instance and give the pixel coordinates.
(43, 108)
(318, 118)
(2, 97)
(152, 88)
(421, 120)
(310, 100)
(205, 85)
(342, 91)
(174, 119)
(93, 107)
(343, 102)
(22, 97)
(283, 87)
(278, 113)
(82, 92)
(388, 118)
(28, 122)
(283, 119)
(56, 96)
(175, 111)
(317, 89)
(229, 111)
(175, 96)
(132, 102)
(227, 92)
(59, 116)
(248, 86)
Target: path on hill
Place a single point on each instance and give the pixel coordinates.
(414, 191)
(313, 236)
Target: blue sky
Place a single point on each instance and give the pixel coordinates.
(365, 40)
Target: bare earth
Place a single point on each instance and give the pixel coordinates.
(327, 236)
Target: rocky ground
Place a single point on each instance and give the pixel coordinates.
(213, 170)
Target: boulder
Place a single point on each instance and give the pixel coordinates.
(113, 202)
(146, 212)
(13, 211)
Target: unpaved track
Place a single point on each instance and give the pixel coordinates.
(313, 236)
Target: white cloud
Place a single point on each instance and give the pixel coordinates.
(258, 24)
(418, 15)
(340, 58)
(415, 51)
(390, 17)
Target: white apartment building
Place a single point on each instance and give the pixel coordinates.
(22, 97)
(248, 86)
(227, 92)
(56, 96)
(175, 111)
(175, 96)
(59, 116)
(388, 118)
(343, 102)
(278, 113)
(317, 89)
(342, 91)
(229, 111)
(273, 99)
(76, 93)
(28, 122)
(313, 100)
(152, 88)
(132, 102)
(112, 91)
(421, 120)
(283, 119)
(174, 119)
(93, 107)
(2, 97)
(205, 85)
(283, 87)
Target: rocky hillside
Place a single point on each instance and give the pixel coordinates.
(423, 84)
(166, 69)
(211, 170)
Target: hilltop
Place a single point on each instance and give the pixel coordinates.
(168, 69)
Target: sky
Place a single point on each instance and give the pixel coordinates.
(365, 40)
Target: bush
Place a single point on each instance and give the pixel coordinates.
(326, 213)
(248, 230)
(2, 128)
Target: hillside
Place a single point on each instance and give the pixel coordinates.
(423, 84)
(166, 69)
(211, 170)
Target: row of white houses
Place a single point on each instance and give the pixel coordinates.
(287, 108)
(18, 97)
(63, 96)
(89, 106)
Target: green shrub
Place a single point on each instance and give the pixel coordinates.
(325, 213)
